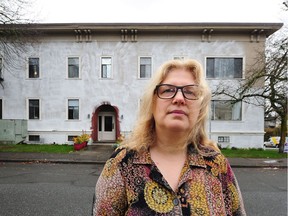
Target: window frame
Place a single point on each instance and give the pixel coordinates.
(1, 108)
(111, 76)
(139, 67)
(71, 137)
(39, 68)
(1, 69)
(34, 141)
(79, 69)
(67, 110)
(28, 109)
(213, 111)
(223, 139)
(225, 57)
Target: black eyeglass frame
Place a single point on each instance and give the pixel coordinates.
(177, 88)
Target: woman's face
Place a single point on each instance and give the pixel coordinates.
(177, 114)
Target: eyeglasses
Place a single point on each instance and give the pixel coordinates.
(167, 91)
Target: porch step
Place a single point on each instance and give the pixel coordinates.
(104, 147)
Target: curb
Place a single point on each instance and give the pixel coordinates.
(69, 161)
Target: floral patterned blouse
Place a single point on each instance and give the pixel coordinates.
(131, 184)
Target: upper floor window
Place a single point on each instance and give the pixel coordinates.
(34, 108)
(33, 68)
(145, 67)
(73, 67)
(227, 68)
(226, 110)
(1, 67)
(73, 109)
(106, 67)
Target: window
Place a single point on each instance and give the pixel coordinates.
(33, 68)
(224, 68)
(71, 137)
(34, 108)
(1, 67)
(106, 67)
(226, 110)
(73, 67)
(73, 109)
(34, 138)
(223, 139)
(145, 67)
(1, 108)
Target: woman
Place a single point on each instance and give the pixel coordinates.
(168, 166)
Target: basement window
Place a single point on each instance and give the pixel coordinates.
(34, 138)
(70, 138)
(223, 139)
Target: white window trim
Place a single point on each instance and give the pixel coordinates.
(27, 71)
(27, 108)
(112, 69)
(67, 67)
(138, 67)
(225, 56)
(67, 110)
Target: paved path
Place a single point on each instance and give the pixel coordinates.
(98, 154)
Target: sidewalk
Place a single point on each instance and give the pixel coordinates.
(99, 155)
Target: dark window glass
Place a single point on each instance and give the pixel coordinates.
(1, 108)
(227, 68)
(34, 108)
(73, 67)
(108, 120)
(73, 109)
(34, 138)
(33, 67)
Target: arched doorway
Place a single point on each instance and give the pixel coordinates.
(105, 123)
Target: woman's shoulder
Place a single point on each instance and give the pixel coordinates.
(212, 158)
(122, 154)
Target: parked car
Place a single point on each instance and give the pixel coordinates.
(272, 142)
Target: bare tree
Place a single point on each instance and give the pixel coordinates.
(269, 68)
(14, 34)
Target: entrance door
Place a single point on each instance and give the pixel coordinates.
(106, 126)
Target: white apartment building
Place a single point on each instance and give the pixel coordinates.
(90, 77)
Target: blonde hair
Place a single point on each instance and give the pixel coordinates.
(143, 134)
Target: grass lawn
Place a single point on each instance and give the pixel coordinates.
(253, 153)
(64, 149)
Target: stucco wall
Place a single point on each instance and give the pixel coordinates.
(123, 90)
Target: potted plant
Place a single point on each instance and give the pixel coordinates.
(81, 141)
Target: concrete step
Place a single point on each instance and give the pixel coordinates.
(104, 147)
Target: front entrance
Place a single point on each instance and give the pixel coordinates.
(105, 123)
(106, 126)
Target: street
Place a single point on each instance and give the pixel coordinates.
(67, 189)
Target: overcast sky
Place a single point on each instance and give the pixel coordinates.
(98, 11)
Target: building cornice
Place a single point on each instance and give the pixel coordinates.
(150, 28)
